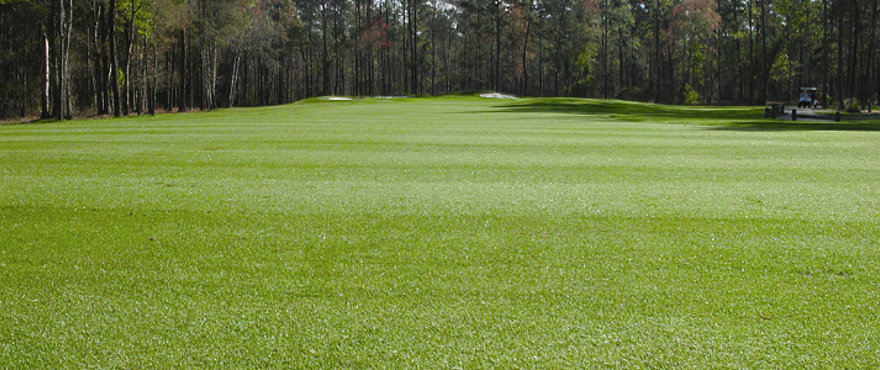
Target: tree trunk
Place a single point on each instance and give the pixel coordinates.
(497, 77)
(45, 79)
(325, 57)
(434, 51)
(603, 45)
(53, 30)
(114, 69)
(525, 52)
(621, 61)
(765, 64)
(357, 47)
(235, 67)
(656, 67)
(854, 52)
(93, 59)
(414, 39)
(65, 60)
(826, 41)
(869, 93)
(128, 35)
(182, 90)
(102, 65)
(751, 55)
(155, 78)
(739, 67)
(840, 76)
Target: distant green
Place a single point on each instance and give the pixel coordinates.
(446, 232)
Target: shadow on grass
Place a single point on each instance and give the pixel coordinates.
(770, 125)
(28, 122)
(630, 111)
(733, 118)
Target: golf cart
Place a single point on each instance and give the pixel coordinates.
(807, 98)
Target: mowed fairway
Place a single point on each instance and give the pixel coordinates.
(440, 233)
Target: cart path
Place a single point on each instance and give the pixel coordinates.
(809, 115)
(806, 114)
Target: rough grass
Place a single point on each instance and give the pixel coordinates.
(440, 233)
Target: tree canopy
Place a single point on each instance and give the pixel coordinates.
(63, 57)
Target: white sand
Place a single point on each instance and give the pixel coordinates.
(338, 98)
(496, 96)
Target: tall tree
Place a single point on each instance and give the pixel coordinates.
(122, 56)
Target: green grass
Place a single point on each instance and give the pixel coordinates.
(441, 233)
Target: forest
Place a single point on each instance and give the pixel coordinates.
(65, 58)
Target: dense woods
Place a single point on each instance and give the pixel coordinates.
(119, 57)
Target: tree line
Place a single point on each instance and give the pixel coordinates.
(119, 57)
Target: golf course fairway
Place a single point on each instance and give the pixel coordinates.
(441, 232)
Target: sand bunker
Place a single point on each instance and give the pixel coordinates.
(496, 96)
(338, 98)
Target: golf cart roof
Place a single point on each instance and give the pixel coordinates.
(806, 89)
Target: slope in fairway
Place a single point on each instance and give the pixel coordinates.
(439, 232)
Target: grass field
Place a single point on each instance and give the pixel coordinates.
(449, 232)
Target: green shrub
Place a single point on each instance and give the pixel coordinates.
(853, 107)
(691, 97)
